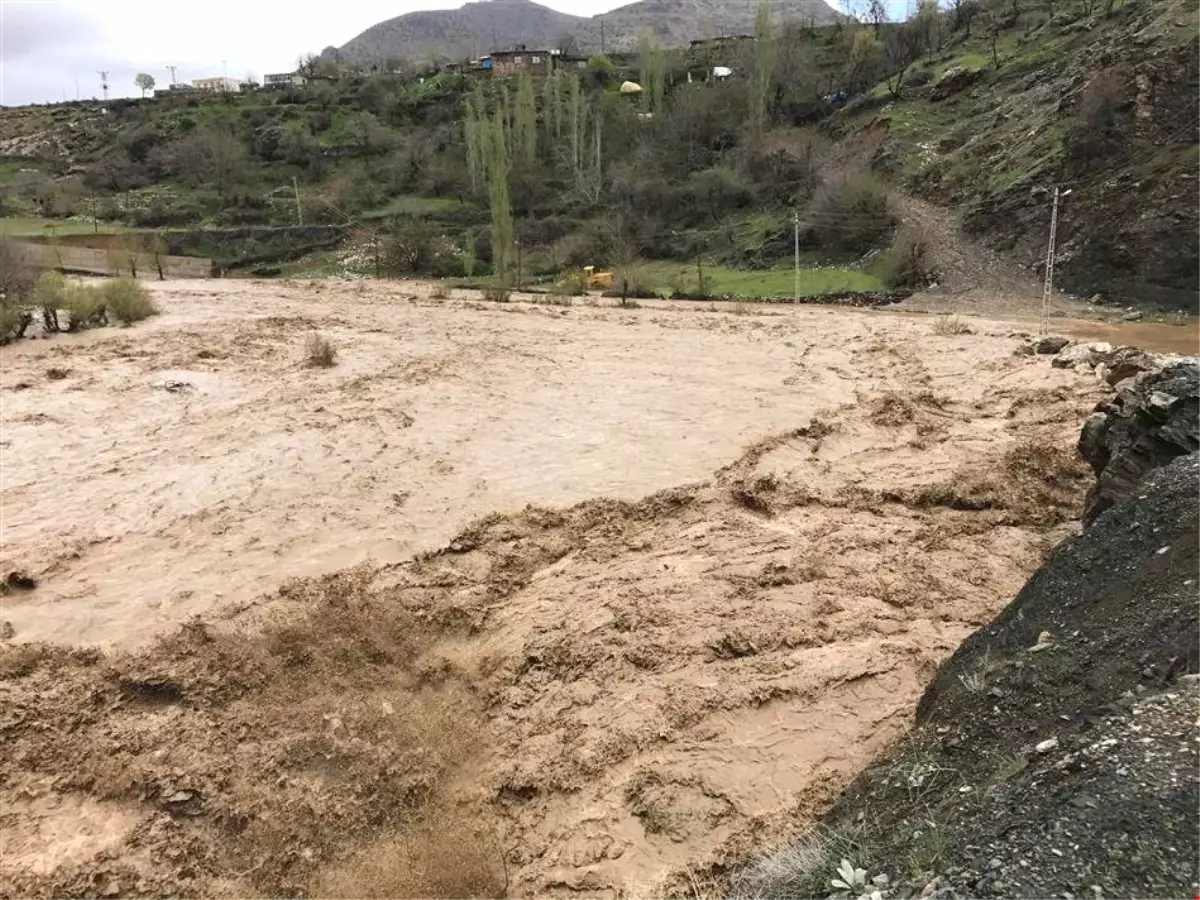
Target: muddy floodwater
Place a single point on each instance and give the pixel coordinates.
(723, 551)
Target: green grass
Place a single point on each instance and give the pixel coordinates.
(319, 264)
(760, 282)
(25, 226)
(413, 206)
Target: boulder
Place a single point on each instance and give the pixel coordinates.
(1081, 355)
(1148, 424)
(1050, 345)
(1126, 362)
(953, 80)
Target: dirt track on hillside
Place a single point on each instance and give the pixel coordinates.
(752, 537)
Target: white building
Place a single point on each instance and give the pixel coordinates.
(282, 78)
(217, 85)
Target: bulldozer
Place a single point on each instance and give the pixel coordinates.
(597, 279)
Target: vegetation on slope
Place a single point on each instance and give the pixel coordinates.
(981, 107)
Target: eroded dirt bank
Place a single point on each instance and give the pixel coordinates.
(593, 697)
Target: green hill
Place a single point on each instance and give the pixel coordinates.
(979, 111)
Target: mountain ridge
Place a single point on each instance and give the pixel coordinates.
(480, 26)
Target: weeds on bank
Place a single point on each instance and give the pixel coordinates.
(951, 325)
(319, 351)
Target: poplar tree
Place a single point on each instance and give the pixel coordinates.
(764, 67)
(524, 143)
(498, 165)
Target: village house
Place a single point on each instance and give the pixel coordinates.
(217, 85)
(520, 59)
(282, 79)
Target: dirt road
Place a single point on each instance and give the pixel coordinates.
(753, 535)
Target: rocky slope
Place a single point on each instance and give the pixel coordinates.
(478, 27)
(1104, 106)
(1055, 753)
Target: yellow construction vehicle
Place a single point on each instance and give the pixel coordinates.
(597, 279)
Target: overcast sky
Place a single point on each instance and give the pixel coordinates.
(45, 45)
(54, 50)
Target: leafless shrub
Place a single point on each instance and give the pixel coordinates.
(907, 263)
(951, 325)
(319, 351)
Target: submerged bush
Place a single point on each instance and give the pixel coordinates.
(127, 300)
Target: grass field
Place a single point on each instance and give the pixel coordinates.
(666, 276)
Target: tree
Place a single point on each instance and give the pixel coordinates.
(900, 50)
(498, 166)
(306, 65)
(925, 23)
(222, 159)
(475, 133)
(567, 44)
(524, 144)
(144, 81)
(866, 53)
(993, 32)
(877, 15)
(652, 71)
(764, 67)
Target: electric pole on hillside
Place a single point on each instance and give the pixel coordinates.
(796, 228)
(1048, 286)
(104, 84)
(172, 69)
(299, 211)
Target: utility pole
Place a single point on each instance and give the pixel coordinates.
(104, 84)
(796, 227)
(518, 243)
(76, 87)
(602, 36)
(1048, 287)
(299, 211)
(172, 69)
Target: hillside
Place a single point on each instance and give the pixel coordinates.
(1101, 105)
(485, 25)
(942, 132)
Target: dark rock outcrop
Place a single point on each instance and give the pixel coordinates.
(1147, 425)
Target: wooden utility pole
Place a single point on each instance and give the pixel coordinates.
(796, 237)
(296, 192)
(1048, 286)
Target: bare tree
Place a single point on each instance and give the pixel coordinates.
(877, 14)
(900, 50)
(993, 33)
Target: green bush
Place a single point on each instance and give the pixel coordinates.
(85, 306)
(851, 213)
(127, 300)
(632, 281)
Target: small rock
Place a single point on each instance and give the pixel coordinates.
(930, 888)
(994, 863)
(1134, 316)
(1047, 745)
(6, 630)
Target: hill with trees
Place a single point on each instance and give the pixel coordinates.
(981, 109)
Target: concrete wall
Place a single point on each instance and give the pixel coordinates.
(97, 261)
